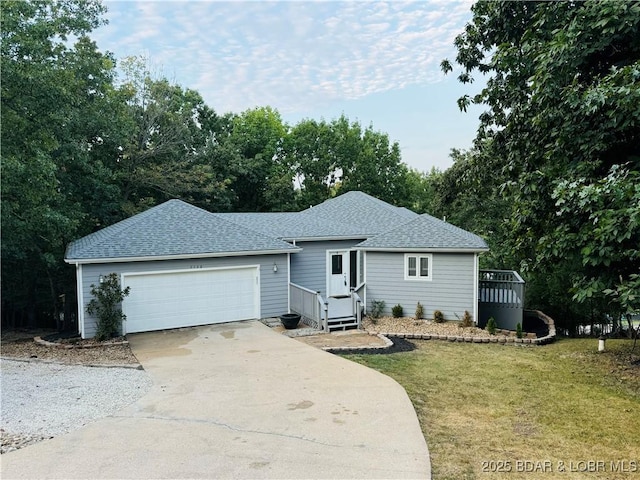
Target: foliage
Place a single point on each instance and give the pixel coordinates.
(602, 219)
(330, 158)
(105, 305)
(491, 326)
(519, 332)
(164, 152)
(419, 311)
(561, 136)
(57, 110)
(467, 320)
(263, 180)
(438, 316)
(397, 311)
(377, 308)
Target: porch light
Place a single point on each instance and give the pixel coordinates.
(101, 279)
(275, 267)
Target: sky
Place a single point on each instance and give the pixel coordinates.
(377, 63)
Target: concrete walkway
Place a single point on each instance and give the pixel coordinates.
(241, 401)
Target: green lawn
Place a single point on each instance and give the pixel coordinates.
(488, 407)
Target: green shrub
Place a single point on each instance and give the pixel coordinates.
(377, 307)
(491, 326)
(419, 311)
(438, 316)
(519, 332)
(467, 320)
(105, 305)
(397, 311)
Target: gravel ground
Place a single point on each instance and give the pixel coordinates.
(107, 355)
(43, 400)
(411, 325)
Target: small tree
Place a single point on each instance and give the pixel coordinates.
(105, 305)
(491, 326)
(519, 333)
(419, 311)
(397, 311)
(467, 320)
(377, 308)
(438, 316)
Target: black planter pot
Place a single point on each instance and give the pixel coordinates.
(290, 320)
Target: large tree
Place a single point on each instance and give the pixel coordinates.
(334, 157)
(263, 179)
(374, 165)
(563, 122)
(56, 98)
(164, 152)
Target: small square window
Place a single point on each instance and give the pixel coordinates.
(417, 267)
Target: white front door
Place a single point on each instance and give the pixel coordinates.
(338, 273)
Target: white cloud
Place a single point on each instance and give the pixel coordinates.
(291, 55)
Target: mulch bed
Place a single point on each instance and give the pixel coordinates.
(399, 345)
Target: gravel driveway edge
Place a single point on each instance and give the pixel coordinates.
(42, 399)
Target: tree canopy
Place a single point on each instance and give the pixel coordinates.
(563, 126)
(55, 103)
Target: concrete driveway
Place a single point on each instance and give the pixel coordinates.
(241, 401)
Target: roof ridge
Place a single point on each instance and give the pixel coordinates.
(382, 203)
(452, 227)
(220, 215)
(426, 228)
(173, 228)
(371, 198)
(120, 226)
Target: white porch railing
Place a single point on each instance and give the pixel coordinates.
(358, 303)
(310, 305)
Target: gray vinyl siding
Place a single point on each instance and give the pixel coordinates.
(274, 288)
(309, 267)
(450, 289)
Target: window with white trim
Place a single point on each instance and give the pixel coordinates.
(417, 267)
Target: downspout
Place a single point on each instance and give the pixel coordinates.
(80, 299)
(288, 282)
(364, 279)
(476, 286)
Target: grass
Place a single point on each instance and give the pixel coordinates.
(562, 403)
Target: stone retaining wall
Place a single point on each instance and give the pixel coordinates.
(46, 343)
(550, 337)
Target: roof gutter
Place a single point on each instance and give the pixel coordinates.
(324, 239)
(425, 249)
(83, 261)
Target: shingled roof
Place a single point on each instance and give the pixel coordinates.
(350, 215)
(425, 233)
(176, 229)
(172, 229)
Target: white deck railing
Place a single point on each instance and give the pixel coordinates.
(356, 295)
(309, 305)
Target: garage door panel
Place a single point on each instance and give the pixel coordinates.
(169, 300)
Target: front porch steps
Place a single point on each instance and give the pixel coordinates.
(342, 323)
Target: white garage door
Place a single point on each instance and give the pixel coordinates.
(162, 300)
